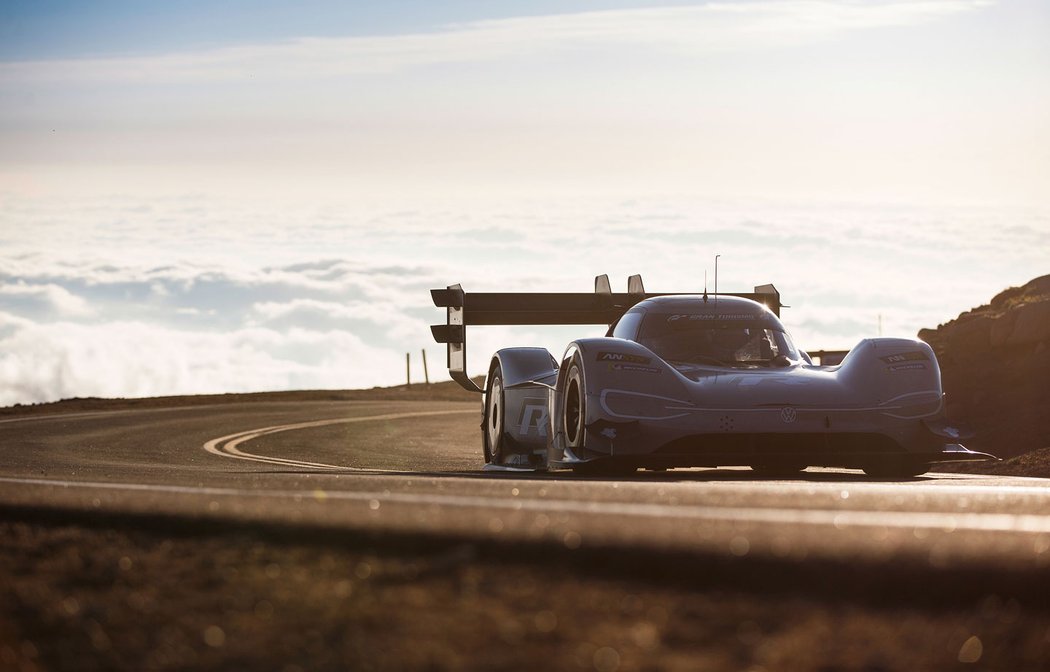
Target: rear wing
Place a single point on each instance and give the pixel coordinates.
(521, 308)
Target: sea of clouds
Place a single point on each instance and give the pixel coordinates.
(123, 297)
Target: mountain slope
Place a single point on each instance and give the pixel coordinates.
(995, 364)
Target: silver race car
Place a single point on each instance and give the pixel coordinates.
(695, 380)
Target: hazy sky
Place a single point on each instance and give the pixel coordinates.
(917, 100)
(201, 196)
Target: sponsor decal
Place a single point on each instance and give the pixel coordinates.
(633, 368)
(906, 367)
(533, 418)
(788, 414)
(623, 357)
(913, 356)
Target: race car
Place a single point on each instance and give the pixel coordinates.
(695, 380)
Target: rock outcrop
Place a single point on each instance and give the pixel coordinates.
(995, 366)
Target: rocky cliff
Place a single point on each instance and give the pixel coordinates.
(995, 366)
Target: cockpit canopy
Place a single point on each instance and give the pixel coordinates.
(734, 332)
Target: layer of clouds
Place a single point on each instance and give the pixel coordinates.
(41, 362)
(712, 27)
(113, 297)
(45, 298)
(182, 328)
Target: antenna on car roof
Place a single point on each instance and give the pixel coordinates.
(705, 285)
(716, 278)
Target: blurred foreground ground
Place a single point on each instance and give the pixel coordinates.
(115, 595)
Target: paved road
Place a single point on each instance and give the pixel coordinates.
(414, 467)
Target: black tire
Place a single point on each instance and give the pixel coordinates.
(574, 419)
(492, 430)
(574, 413)
(897, 467)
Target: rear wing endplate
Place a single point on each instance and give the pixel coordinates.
(526, 308)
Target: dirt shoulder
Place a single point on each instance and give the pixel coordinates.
(444, 391)
(1035, 464)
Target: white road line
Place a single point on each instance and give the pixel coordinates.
(934, 521)
(228, 446)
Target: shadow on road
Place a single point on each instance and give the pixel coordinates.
(675, 476)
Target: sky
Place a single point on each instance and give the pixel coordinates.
(209, 197)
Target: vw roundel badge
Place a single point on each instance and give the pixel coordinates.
(788, 414)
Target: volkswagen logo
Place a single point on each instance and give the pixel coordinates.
(788, 414)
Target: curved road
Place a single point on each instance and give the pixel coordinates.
(414, 467)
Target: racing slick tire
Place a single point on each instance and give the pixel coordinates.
(574, 422)
(492, 438)
(575, 408)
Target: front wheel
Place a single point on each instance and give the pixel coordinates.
(574, 422)
(492, 429)
(575, 416)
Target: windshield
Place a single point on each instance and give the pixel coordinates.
(703, 339)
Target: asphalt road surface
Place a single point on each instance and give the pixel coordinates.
(415, 468)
